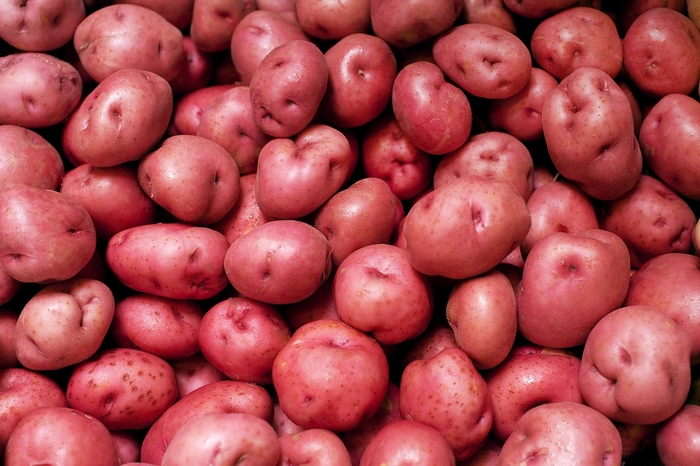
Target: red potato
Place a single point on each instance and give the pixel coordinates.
(361, 73)
(188, 109)
(193, 178)
(21, 392)
(218, 397)
(666, 61)
(330, 376)
(282, 424)
(241, 337)
(45, 236)
(39, 90)
(94, 188)
(628, 351)
(376, 290)
(521, 114)
(388, 154)
(535, 9)
(59, 435)
(287, 87)
(419, 20)
(589, 107)
(228, 121)
(362, 214)
(173, 260)
(229, 438)
(320, 305)
(280, 262)
(193, 372)
(297, 176)
(123, 388)
(106, 38)
(486, 455)
(577, 37)
(489, 12)
(490, 154)
(484, 60)
(563, 433)
(444, 240)
(41, 26)
(482, 312)
(629, 10)
(315, 447)
(676, 440)
(257, 34)
(27, 157)
(447, 393)
(196, 70)
(434, 114)
(245, 215)
(8, 322)
(127, 444)
(177, 12)
(434, 339)
(408, 443)
(213, 22)
(276, 5)
(63, 324)
(9, 287)
(333, 20)
(106, 130)
(167, 328)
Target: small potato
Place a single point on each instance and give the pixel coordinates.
(333, 20)
(188, 108)
(40, 26)
(193, 178)
(177, 12)
(408, 442)
(245, 215)
(172, 260)
(8, 322)
(128, 36)
(108, 129)
(39, 90)
(8, 287)
(27, 157)
(419, 20)
(535, 9)
(63, 324)
(196, 71)
(193, 372)
(213, 22)
(314, 447)
(123, 388)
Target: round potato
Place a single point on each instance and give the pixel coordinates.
(333, 20)
(27, 157)
(40, 26)
(188, 108)
(213, 22)
(177, 12)
(419, 20)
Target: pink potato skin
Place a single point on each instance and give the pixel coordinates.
(589, 107)
(576, 37)
(333, 20)
(530, 376)
(287, 88)
(196, 71)
(127, 444)
(434, 114)
(408, 443)
(535, 9)
(39, 90)
(434, 339)
(245, 215)
(213, 22)
(448, 393)
(177, 12)
(489, 12)
(569, 282)
(320, 305)
(297, 176)
(95, 188)
(628, 351)
(651, 219)
(193, 178)
(42, 26)
(489, 154)
(22, 391)
(193, 372)
(563, 433)
(484, 60)
(106, 38)
(123, 388)
(228, 438)
(330, 376)
(173, 260)
(165, 327)
(241, 337)
(63, 324)
(8, 322)
(107, 130)
(30, 217)
(468, 243)
(677, 439)
(280, 262)
(521, 114)
(60, 435)
(27, 157)
(188, 108)
(671, 127)
(361, 72)
(420, 20)
(315, 447)
(227, 396)
(666, 61)
(376, 290)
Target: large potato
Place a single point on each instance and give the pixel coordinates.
(173, 260)
(128, 36)
(39, 90)
(40, 26)
(120, 120)
(27, 157)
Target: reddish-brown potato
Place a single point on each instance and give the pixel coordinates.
(196, 70)
(8, 322)
(27, 157)
(333, 19)
(419, 20)
(245, 215)
(535, 9)
(213, 22)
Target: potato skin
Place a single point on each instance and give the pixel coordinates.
(27, 157)
(40, 26)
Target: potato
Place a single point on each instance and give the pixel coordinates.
(245, 215)
(536, 8)
(8, 322)
(419, 20)
(121, 120)
(193, 372)
(177, 12)
(128, 36)
(27, 157)
(187, 111)
(408, 442)
(40, 26)
(173, 260)
(45, 236)
(39, 90)
(196, 71)
(123, 388)
(333, 20)
(213, 22)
